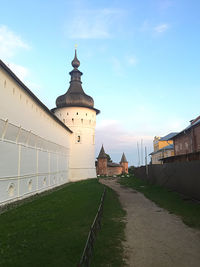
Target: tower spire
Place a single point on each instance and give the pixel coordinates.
(75, 61)
(75, 96)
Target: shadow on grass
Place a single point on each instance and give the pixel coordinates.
(51, 230)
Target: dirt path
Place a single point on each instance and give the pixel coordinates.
(155, 238)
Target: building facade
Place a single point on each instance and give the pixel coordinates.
(163, 147)
(187, 143)
(39, 148)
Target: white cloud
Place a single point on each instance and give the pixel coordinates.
(161, 28)
(10, 42)
(116, 140)
(165, 4)
(94, 24)
(117, 66)
(20, 71)
(132, 60)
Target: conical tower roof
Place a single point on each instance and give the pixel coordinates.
(75, 96)
(102, 154)
(123, 159)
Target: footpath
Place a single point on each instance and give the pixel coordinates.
(155, 238)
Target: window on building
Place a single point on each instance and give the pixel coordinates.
(78, 138)
(30, 185)
(11, 190)
(45, 181)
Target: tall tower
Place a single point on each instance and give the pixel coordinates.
(76, 110)
(102, 162)
(124, 164)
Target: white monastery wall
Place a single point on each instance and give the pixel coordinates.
(34, 147)
(81, 121)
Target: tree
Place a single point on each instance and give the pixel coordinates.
(108, 158)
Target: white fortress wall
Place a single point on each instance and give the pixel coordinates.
(34, 146)
(82, 122)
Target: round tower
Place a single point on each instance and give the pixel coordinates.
(102, 162)
(76, 110)
(124, 164)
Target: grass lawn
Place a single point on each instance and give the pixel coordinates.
(52, 229)
(171, 201)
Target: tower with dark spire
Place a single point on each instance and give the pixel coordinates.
(124, 164)
(102, 162)
(76, 109)
(75, 96)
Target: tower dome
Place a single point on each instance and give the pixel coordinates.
(75, 96)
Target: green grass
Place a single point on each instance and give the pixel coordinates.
(52, 229)
(108, 249)
(173, 202)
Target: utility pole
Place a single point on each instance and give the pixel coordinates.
(141, 151)
(146, 161)
(138, 154)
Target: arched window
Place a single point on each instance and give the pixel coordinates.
(78, 139)
(45, 181)
(30, 185)
(11, 190)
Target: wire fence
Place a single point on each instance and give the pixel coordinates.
(96, 226)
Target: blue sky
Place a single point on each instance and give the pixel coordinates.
(140, 62)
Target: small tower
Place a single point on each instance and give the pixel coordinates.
(102, 162)
(124, 164)
(76, 109)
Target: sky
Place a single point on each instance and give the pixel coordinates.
(140, 62)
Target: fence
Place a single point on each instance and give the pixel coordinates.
(29, 163)
(181, 177)
(96, 225)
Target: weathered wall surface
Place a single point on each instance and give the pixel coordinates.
(114, 171)
(182, 177)
(34, 147)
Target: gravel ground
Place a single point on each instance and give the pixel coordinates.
(155, 238)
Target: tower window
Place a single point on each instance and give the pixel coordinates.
(78, 138)
(72, 120)
(67, 113)
(86, 114)
(82, 121)
(76, 113)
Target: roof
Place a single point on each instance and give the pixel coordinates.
(102, 154)
(75, 96)
(169, 147)
(28, 91)
(123, 159)
(113, 164)
(194, 123)
(167, 137)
